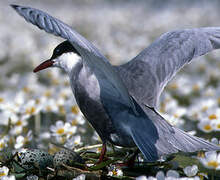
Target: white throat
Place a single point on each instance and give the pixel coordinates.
(67, 61)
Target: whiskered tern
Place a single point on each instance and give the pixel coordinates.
(120, 101)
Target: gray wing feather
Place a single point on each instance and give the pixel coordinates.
(94, 59)
(148, 73)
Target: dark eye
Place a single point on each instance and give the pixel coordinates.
(57, 51)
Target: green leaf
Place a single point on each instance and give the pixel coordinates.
(101, 165)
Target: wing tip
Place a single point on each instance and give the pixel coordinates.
(14, 6)
(17, 8)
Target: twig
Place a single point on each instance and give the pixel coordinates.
(37, 123)
(88, 147)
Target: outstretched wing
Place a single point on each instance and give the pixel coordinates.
(148, 73)
(90, 55)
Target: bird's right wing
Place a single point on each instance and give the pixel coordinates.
(112, 83)
(148, 73)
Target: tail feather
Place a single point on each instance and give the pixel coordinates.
(189, 143)
(146, 147)
(154, 140)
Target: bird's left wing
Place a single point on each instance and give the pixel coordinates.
(90, 54)
(148, 73)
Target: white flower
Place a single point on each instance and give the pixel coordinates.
(209, 92)
(5, 115)
(160, 175)
(8, 177)
(49, 105)
(44, 135)
(145, 178)
(20, 122)
(198, 109)
(80, 177)
(60, 128)
(114, 171)
(172, 173)
(191, 170)
(75, 120)
(205, 126)
(168, 103)
(21, 140)
(216, 125)
(4, 171)
(3, 142)
(16, 130)
(32, 177)
(71, 130)
(73, 114)
(215, 141)
(211, 160)
(73, 142)
(30, 108)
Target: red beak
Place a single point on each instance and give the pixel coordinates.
(44, 65)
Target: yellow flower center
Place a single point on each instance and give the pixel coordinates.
(176, 115)
(19, 123)
(99, 149)
(75, 109)
(55, 82)
(207, 127)
(1, 100)
(62, 110)
(2, 145)
(30, 110)
(114, 172)
(76, 143)
(201, 154)
(33, 109)
(213, 164)
(74, 122)
(2, 174)
(174, 86)
(64, 95)
(37, 101)
(162, 107)
(218, 126)
(48, 108)
(195, 115)
(66, 83)
(212, 116)
(26, 89)
(195, 87)
(49, 74)
(47, 93)
(60, 131)
(204, 108)
(202, 175)
(26, 140)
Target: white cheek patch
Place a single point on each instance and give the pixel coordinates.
(67, 61)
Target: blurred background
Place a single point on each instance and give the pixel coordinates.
(43, 103)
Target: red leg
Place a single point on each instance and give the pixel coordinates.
(102, 155)
(131, 161)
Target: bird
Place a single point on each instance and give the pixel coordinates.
(120, 102)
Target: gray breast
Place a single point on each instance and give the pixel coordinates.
(87, 94)
(86, 89)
